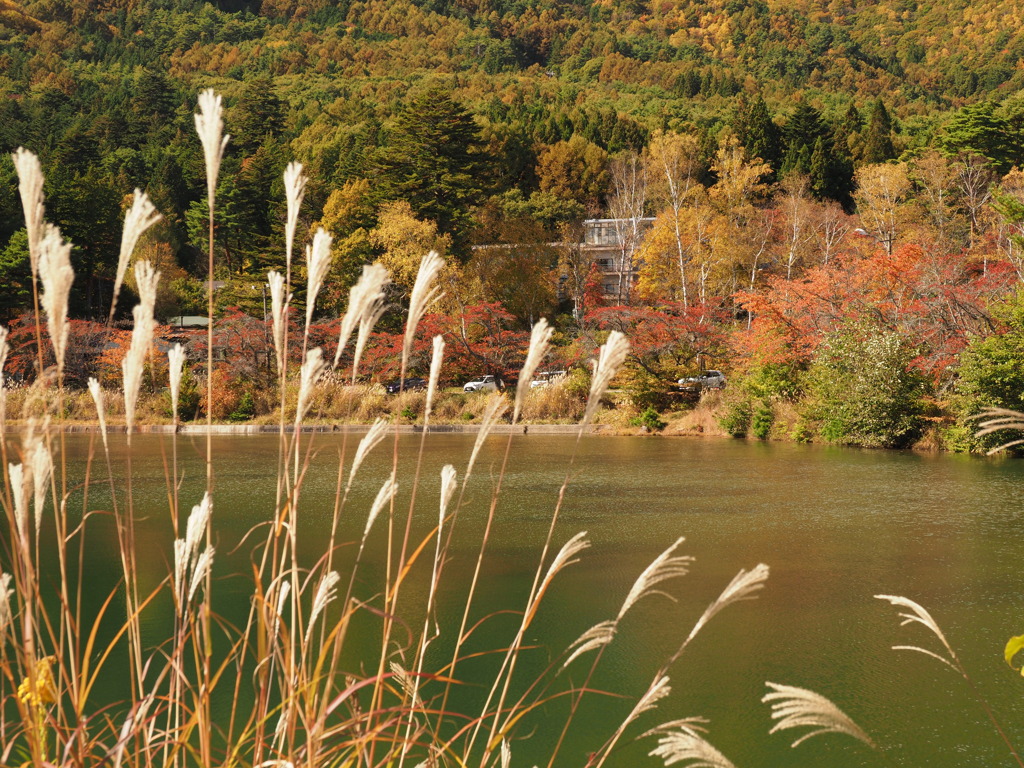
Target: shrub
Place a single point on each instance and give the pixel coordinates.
(650, 419)
(736, 420)
(863, 391)
(245, 409)
(762, 421)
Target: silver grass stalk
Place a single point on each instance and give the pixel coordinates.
(318, 262)
(566, 556)
(685, 745)
(449, 484)
(596, 637)
(200, 571)
(16, 475)
(384, 495)
(309, 375)
(688, 724)
(370, 441)
(42, 468)
(424, 293)
(506, 754)
(744, 586)
(56, 275)
(405, 680)
(209, 126)
(5, 602)
(281, 604)
(141, 216)
(365, 294)
(658, 690)
(435, 375)
(665, 566)
(133, 365)
(175, 366)
(30, 187)
(918, 615)
(496, 406)
(198, 521)
(325, 593)
(294, 191)
(101, 414)
(278, 311)
(799, 708)
(612, 355)
(372, 312)
(181, 557)
(540, 338)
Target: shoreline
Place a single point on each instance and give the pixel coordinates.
(261, 429)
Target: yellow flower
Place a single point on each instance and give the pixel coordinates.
(45, 689)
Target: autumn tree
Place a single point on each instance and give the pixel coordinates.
(882, 192)
(575, 170)
(403, 240)
(673, 167)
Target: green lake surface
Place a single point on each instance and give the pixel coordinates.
(836, 526)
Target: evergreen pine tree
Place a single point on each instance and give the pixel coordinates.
(878, 145)
(758, 133)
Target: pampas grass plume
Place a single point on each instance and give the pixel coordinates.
(278, 311)
(209, 126)
(56, 275)
(384, 495)
(612, 355)
(798, 707)
(97, 397)
(370, 440)
(318, 262)
(16, 476)
(540, 338)
(685, 745)
(294, 191)
(918, 615)
(30, 187)
(362, 298)
(140, 217)
(309, 374)
(424, 293)
(665, 566)
(42, 468)
(5, 603)
(435, 375)
(133, 365)
(744, 586)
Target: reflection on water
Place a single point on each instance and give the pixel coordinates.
(836, 526)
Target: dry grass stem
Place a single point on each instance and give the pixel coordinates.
(424, 293)
(175, 365)
(496, 406)
(140, 217)
(540, 338)
(30, 188)
(800, 708)
(610, 359)
(665, 566)
(56, 276)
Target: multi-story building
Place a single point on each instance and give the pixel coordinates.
(611, 245)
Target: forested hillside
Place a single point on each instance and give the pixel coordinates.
(772, 141)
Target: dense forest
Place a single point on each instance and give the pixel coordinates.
(829, 182)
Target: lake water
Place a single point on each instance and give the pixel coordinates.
(836, 527)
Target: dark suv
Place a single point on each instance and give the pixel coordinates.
(705, 380)
(394, 387)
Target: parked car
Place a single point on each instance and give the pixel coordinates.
(483, 384)
(544, 378)
(702, 381)
(411, 383)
